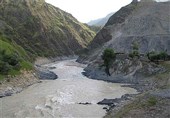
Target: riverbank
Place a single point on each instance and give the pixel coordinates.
(13, 85)
(147, 79)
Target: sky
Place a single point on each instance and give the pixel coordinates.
(87, 10)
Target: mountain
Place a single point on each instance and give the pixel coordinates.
(144, 23)
(42, 29)
(101, 21)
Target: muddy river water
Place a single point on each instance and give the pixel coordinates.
(61, 97)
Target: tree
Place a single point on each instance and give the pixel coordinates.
(108, 57)
(135, 51)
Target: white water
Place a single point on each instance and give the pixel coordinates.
(60, 98)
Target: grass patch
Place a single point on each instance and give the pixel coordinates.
(125, 110)
(136, 104)
(143, 101)
(26, 65)
(14, 72)
(1, 77)
(152, 101)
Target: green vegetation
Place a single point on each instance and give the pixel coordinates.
(155, 57)
(13, 58)
(136, 104)
(94, 28)
(1, 77)
(26, 65)
(8, 62)
(142, 101)
(135, 51)
(152, 101)
(42, 30)
(108, 57)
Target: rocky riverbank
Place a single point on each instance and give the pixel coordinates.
(139, 74)
(13, 85)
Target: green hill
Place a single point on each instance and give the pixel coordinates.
(42, 29)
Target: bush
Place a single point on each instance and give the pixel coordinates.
(108, 57)
(12, 59)
(4, 67)
(8, 62)
(135, 51)
(153, 56)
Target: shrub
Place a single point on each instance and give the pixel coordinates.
(8, 62)
(153, 56)
(4, 67)
(12, 59)
(135, 51)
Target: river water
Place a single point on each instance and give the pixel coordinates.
(60, 98)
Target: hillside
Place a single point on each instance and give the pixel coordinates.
(101, 21)
(145, 23)
(42, 29)
(139, 28)
(13, 58)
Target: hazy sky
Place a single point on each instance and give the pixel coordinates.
(86, 10)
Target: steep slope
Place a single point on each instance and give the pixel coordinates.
(101, 21)
(13, 58)
(42, 29)
(146, 23)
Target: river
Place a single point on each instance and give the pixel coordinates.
(60, 97)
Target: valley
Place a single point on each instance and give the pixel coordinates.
(52, 65)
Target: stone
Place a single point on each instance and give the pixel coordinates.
(52, 68)
(45, 74)
(108, 102)
(86, 103)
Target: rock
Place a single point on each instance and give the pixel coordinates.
(165, 93)
(2, 95)
(8, 93)
(18, 90)
(105, 108)
(8, 89)
(108, 102)
(45, 74)
(51, 68)
(40, 82)
(86, 103)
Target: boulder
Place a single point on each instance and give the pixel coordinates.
(46, 75)
(109, 102)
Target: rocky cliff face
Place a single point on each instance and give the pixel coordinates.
(146, 23)
(42, 29)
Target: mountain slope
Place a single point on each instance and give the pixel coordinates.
(145, 23)
(13, 58)
(101, 21)
(42, 29)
